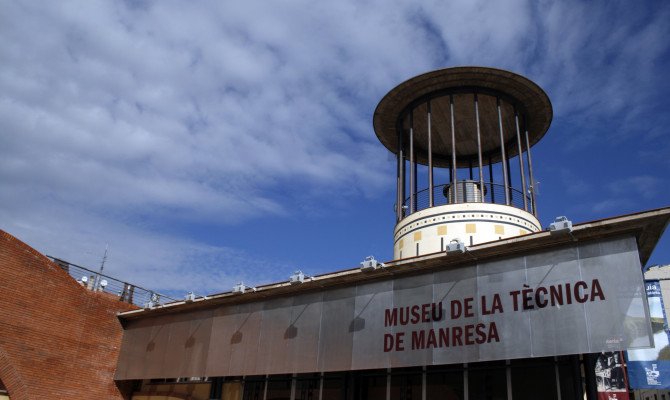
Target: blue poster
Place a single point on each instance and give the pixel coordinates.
(650, 368)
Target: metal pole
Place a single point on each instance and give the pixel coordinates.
(398, 201)
(454, 176)
(321, 387)
(430, 160)
(401, 174)
(423, 383)
(388, 384)
(98, 277)
(466, 386)
(508, 374)
(479, 150)
(530, 175)
(558, 378)
(293, 386)
(521, 167)
(502, 151)
(412, 167)
(415, 189)
(493, 196)
(509, 182)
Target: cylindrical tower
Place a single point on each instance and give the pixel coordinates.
(462, 137)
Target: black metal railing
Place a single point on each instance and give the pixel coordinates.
(126, 292)
(467, 191)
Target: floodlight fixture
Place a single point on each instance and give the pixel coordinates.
(371, 264)
(154, 300)
(455, 246)
(297, 277)
(561, 225)
(242, 288)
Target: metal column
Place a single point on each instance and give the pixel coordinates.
(493, 196)
(530, 174)
(466, 386)
(502, 152)
(479, 150)
(401, 175)
(431, 200)
(454, 175)
(412, 166)
(521, 166)
(509, 182)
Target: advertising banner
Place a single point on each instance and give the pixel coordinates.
(581, 298)
(650, 368)
(611, 377)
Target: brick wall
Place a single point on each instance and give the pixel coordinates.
(57, 339)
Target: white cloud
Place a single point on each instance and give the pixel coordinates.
(145, 258)
(643, 186)
(118, 112)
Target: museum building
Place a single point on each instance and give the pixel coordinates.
(479, 302)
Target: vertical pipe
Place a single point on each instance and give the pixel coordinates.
(521, 166)
(454, 176)
(502, 152)
(431, 200)
(412, 167)
(530, 172)
(470, 167)
(479, 150)
(493, 196)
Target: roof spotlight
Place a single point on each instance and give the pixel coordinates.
(370, 264)
(561, 225)
(455, 246)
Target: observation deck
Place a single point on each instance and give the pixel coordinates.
(456, 134)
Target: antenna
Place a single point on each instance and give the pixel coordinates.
(102, 266)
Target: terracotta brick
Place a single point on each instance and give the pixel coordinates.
(59, 340)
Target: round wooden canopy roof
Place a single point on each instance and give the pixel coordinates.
(461, 84)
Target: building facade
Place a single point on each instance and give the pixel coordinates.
(479, 302)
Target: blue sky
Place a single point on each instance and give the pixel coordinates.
(214, 142)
